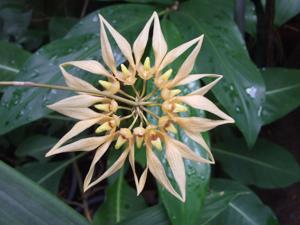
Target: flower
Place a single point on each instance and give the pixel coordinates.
(104, 108)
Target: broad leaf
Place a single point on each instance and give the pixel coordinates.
(152, 215)
(36, 146)
(216, 202)
(121, 202)
(266, 165)
(282, 94)
(12, 59)
(27, 203)
(245, 209)
(29, 104)
(285, 10)
(37, 170)
(60, 26)
(241, 91)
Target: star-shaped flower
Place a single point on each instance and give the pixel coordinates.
(105, 108)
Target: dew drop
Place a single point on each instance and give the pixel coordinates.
(237, 109)
(231, 88)
(251, 91)
(53, 92)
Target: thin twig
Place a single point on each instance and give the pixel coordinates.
(59, 87)
(83, 11)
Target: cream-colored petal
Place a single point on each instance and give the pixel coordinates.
(78, 113)
(110, 171)
(194, 77)
(142, 180)
(76, 129)
(77, 101)
(200, 140)
(141, 42)
(132, 163)
(175, 161)
(91, 66)
(187, 153)
(157, 170)
(121, 42)
(201, 102)
(107, 53)
(77, 83)
(203, 90)
(187, 66)
(159, 43)
(86, 144)
(198, 124)
(176, 52)
(98, 155)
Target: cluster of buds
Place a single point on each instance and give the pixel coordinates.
(124, 119)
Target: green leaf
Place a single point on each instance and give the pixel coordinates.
(285, 10)
(37, 170)
(250, 18)
(29, 104)
(282, 94)
(12, 59)
(120, 203)
(245, 209)
(197, 174)
(266, 165)
(241, 91)
(36, 146)
(150, 216)
(27, 203)
(216, 202)
(59, 26)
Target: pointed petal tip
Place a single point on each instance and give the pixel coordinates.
(48, 154)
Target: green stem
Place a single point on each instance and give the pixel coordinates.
(118, 197)
(58, 87)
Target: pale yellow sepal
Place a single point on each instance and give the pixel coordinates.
(179, 108)
(104, 127)
(125, 71)
(166, 75)
(147, 64)
(102, 107)
(120, 141)
(139, 141)
(157, 143)
(107, 85)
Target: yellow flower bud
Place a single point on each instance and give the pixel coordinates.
(147, 64)
(155, 139)
(103, 107)
(139, 133)
(104, 127)
(125, 71)
(179, 108)
(165, 123)
(167, 94)
(157, 143)
(107, 85)
(125, 135)
(166, 75)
